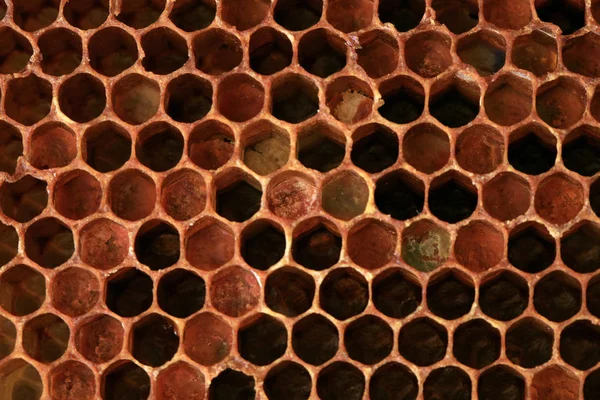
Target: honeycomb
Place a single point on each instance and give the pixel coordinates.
(299, 199)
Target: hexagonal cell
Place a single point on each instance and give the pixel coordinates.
(344, 293)
(77, 194)
(209, 244)
(483, 50)
(476, 344)
(459, 16)
(84, 14)
(72, 379)
(428, 53)
(211, 144)
(192, 15)
(396, 293)
(349, 99)
(345, 196)
(580, 344)
(75, 291)
(368, 339)
(403, 99)
(28, 100)
(374, 148)
(288, 380)
(207, 339)
(61, 51)
(244, 14)
(11, 147)
(135, 98)
(479, 149)
(513, 14)
(555, 383)
(591, 386)
(559, 198)
(425, 245)
(320, 147)
(234, 291)
(508, 100)
(531, 248)
(240, 97)
(506, 196)
(503, 295)
(297, 15)
(262, 244)
(447, 383)
(45, 338)
(321, 52)
(400, 195)
(350, 16)
(340, 380)
(270, 51)
(34, 16)
(561, 102)
(377, 53)
(557, 296)
(17, 53)
(404, 14)
(132, 195)
(24, 199)
(129, 292)
(159, 146)
(18, 378)
(291, 195)
(181, 381)
(231, 384)
(22, 290)
(142, 13)
(294, 98)
(426, 147)
(315, 339)
(450, 294)
(48, 242)
(454, 101)
(391, 379)
(154, 340)
(183, 194)
(289, 291)
(262, 339)
(266, 147)
(100, 338)
(502, 382)
(423, 342)
(536, 52)
(112, 50)
(452, 197)
(216, 51)
(164, 51)
(125, 380)
(238, 195)
(157, 245)
(372, 243)
(82, 98)
(479, 246)
(181, 293)
(52, 145)
(317, 244)
(581, 150)
(529, 343)
(569, 15)
(532, 149)
(103, 244)
(106, 146)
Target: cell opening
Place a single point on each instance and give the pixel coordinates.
(289, 291)
(403, 100)
(262, 339)
(125, 380)
(423, 342)
(35, 16)
(45, 338)
(207, 339)
(536, 52)
(298, 15)
(164, 51)
(22, 290)
(459, 16)
(82, 98)
(425, 245)
(393, 379)
(157, 245)
(17, 51)
(450, 294)
(345, 196)
(375, 147)
(513, 14)
(24, 199)
(17, 378)
(217, 51)
(344, 293)
(183, 194)
(159, 146)
(452, 197)
(232, 384)
(193, 15)
(316, 244)
(132, 195)
(181, 293)
(235, 291)
(426, 147)
(270, 50)
(372, 243)
(557, 296)
(591, 385)
(447, 382)
(244, 14)
(294, 98)
(106, 146)
(508, 100)
(580, 344)
(349, 99)
(75, 291)
(154, 340)
(11, 147)
(561, 102)
(559, 198)
(428, 53)
(77, 194)
(211, 144)
(483, 50)
(288, 380)
(501, 382)
(479, 149)
(61, 51)
(141, 14)
(238, 196)
(240, 97)
(531, 248)
(321, 147)
(322, 53)
(129, 292)
(72, 379)
(454, 102)
(48, 242)
(181, 380)
(476, 344)
(503, 295)
(209, 244)
(581, 150)
(291, 195)
(85, 14)
(506, 196)
(400, 195)
(100, 338)
(9, 243)
(53, 145)
(315, 339)
(529, 343)
(263, 244)
(368, 339)
(580, 247)
(266, 147)
(405, 15)
(350, 17)
(112, 51)
(340, 380)
(28, 100)
(135, 99)
(378, 53)
(532, 149)
(568, 15)
(479, 246)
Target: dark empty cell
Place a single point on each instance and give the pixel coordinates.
(11, 147)
(452, 202)
(33, 15)
(159, 146)
(321, 53)
(580, 344)
(393, 381)
(318, 151)
(595, 197)
(106, 147)
(238, 202)
(344, 293)
(403, 14)
(82, 98)
(556, 297)
(263, 248)
(126, 381)
(580, 249)
(288, 381)
(181, 293)
(591, 386)
(189, 98)
(112, 51)
(449, 297)
(448, 383)
(24, 199)
(48, 242)
(21, 380)
(401, 106)
(45, 338)
(529, 343)
(376, 151)
(61, 51)
(154, 340)
(530, 251)
(294, 99)
(217, 51)
(501, 383)
(317, 249)
(136, 98)
(340, 380)
(297, 15)
(503, 298)
(157, 245)
(263, 340)
(86, 14)
(398, 198)
(9, 243)
(582, 155)
(484, 50)
(193, 15)
(568, 15)
(129, 293)
(368, 339)
(289, 291)
(142, 13)
(422, 342)
(17, 50)
(458, 15)
(452, 108)
(395, 295)
(28, 100)
(22, 291)
(270, 51)
(232, 385)
(531, 155)
(476, 344)
(315, 339)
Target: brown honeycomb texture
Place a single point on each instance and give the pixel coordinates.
(299, 199)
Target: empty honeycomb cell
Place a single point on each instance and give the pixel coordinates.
(159, 146)
(529, 343)
(32, 16)
(135, 98)
(447, 383)
(262, 339)
(368, 339)
(400, 195)
(270, 51)
(129, 292)
(234, 291)
(298, 15)
(20, 380)
(100, 338)
(288, 380)
(71, 379)
(503, 295)
(483, 50)
(181, 293)
(580, 344)
(426, 147)
(294, 98)
(593, 296)
(317, 244)
(289, 291)
(9, 243)
(265, 147)
(535, 52)
(344, 196)
(513, 14)
(393, 381)
(45, 338)
(82, 98)
(106, 146)
(508, 100)
(103, 244)
(581, 150)
(74, 291)
(315, 339)
(532, 149)
(209, 244)
(557, 296)
(61, 51)
(450, 294)
(454, 101)
(22, 290)
(53, 145)
(591, 385)
(344, 293)
(154, 340)
(216, 51)
(350, 16)
(479, 246)
(506, 196)
(244, 14)
(290, 195)
(238, 195)
(132, 195)
(86, 14)
(569, 15)
(183, 194)
(340, 380)
(396, 293)
(193, 15)
(501, 382)
(231, 384)
(240, 97)
(476, 343)
(157, 245)
(559, 199)
(28, 100)
(16, 51)
(24, 199)
(554, 383)
(180, 380)
(322, 52)
(428, 53)
(423, 342)
(403, 99)
(372, 243)
(378, 53)
(561, 102)
(459, 16)
(404, 15)
(77, 194)
(262, 244)
(11, 147)
(164, 51)
(375, 148)
(125, 380)
(349, 99)
(452, 197)
(425, 245)
(8, 337)
(211, 144)
(320, 147)
(531, 248)
(112, 50)
(48, 242)
(141, 13)
(207, 339)
(479, 149)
